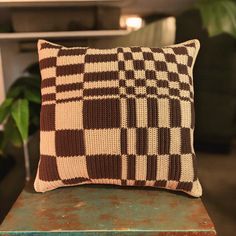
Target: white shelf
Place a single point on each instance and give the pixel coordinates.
(62, 34)
(30, 3)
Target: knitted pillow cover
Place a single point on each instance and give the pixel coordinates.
(121, 116)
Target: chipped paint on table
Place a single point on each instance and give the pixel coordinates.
(107, 210)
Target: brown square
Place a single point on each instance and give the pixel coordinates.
(128, 56)
(140, 82)
(172, 76)
(163, 83)
(161, 66)
(121, 65)
(138, 64)
(49, 165)
(164, 141)
(174, 92)
(180, 50)
(122, 83)
(47, 118)
(151, 90)
(182, 69)
(148, 56)
(69, 69)
(136, 49)
(104, 166)
(69, 143)
(130, 90)
(186, 146)
(170, 57)
(174, 168)
(129, 74)
(103, 113)
(150, 74)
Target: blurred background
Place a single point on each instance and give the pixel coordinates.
(111, 23)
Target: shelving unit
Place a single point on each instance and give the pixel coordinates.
(14, 61)
(62, 34)
(30, 3)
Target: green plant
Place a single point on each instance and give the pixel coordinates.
(218, 16)
(19, 113)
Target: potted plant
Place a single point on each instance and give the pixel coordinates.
(218, 16)
(19, 113)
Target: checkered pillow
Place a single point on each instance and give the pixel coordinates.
(121, 116)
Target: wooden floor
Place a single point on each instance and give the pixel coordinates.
(218, 177)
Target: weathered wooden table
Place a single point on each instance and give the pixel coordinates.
(107, 210)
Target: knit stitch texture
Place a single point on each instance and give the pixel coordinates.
(121, 116)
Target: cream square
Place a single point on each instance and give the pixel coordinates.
(48, 90)
(69, 94)
(141, 112)
(101, 66)
(162, 75)
(159, 56)
(69, 115)
(149, 65)
(151, 83)
(152, 141)
(130, 82)
(183, 78)
(69, 79)
(162, 91)
(141, 168)
(162, 167)
(184, 93)
(47, 143)
(48, 73)
(174, 85)
(72, 167)
(137, 55)
(185, 107)
(139, 74)
(129, 65)
(175, 144)
(131, 141)
(181, 59)
(67, 60)
(102, 141)
(164, 112)
(172, 67)
(186, 168)
(140, 90)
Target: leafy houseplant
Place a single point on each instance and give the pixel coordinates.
(218, 16)
(19, 113)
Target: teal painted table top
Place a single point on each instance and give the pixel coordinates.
(106, 210)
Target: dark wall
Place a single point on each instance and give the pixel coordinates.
(214, 82)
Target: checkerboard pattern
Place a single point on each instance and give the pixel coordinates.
(121, 116)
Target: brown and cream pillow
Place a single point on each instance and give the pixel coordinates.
(121, 116)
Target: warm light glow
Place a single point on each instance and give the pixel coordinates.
(131, 22)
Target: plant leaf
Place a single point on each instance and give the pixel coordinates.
(15, 92)
(5, 109)
(27, 82)
(33, 95)
(218, 16)
(20, 114)
(11, 134)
